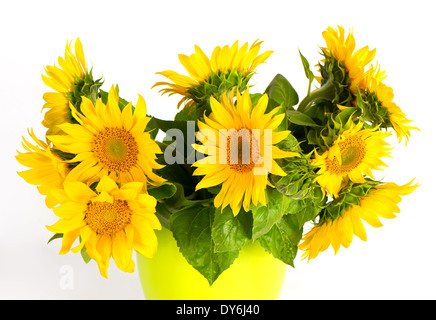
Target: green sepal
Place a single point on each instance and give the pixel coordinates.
(83, 252)
(349, 195)
(215, 86)
(86, 87)
(372, 111)
(85, 255)
(55, 236)
(298, 181)
(300, 118)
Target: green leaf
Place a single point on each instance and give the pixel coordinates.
(290, 143)
(177, 173)
(304, 210)
(165, 208)
(255, 98)
(307, 71)
(166, 125)
(264, 217)
(282, 92)
(283, 238)
(230, 233)
(192, 229)
(85, 255)
(164, 191)
(300, 118)
(186, 114)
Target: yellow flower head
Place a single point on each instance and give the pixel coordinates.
(381, 201)
(342, 50)
(227, 67)
(111, 221)
(108, 141)
(354, 154)
(72, 68)
(385, 97)
(47, 171)
(239, 143)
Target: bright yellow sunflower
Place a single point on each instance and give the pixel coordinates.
(72, 68)
(342, 50)
(239, 143)
(111, 221)
(381, 201)
(232, 65)
(385, 96)
(110, 142)
(354, 154)
(47, 171)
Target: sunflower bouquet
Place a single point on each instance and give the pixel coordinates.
(234, 166)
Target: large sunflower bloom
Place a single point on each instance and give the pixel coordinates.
(225, 134)
(379, 202)
(111, 221)
(354, 154)
(385, 96)
(110, 142)
(63, 79)
(232, 66)
(342, 50)
(47, 171)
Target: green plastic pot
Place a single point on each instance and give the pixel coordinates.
(255, 274)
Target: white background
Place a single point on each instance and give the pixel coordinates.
(128, 41)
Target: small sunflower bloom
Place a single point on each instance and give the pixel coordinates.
(243, 175)
(48, 171)
(63, 79)
(343, 51)
(353, 154)
(111, 221)
(384, 96)
(380, 202)
(228, 67)
(108, 141)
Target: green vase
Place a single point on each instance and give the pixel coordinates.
(254, 275)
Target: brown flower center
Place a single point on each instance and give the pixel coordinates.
(242, 150)
(352, 154)
(116, 149)
(107, 218)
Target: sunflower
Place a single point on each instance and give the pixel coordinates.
(384, 96)
(353, 154)
(110, 142)
(111, 221)
(63, 79)
(381, 201)
(239, 144)
(228, 67)
(47, 171)
(342, 50)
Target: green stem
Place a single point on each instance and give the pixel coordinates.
(325, 92)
